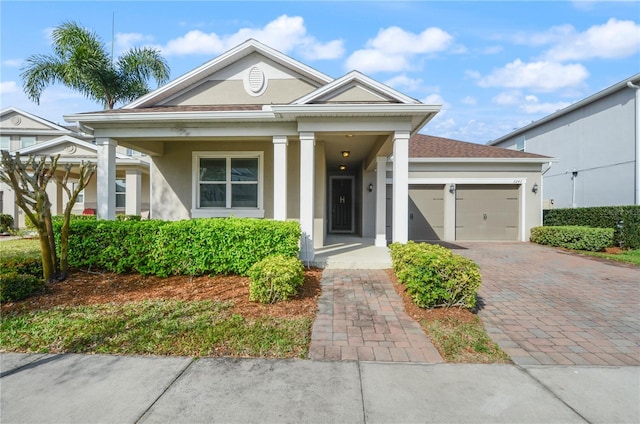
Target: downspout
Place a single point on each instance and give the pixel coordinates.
(637, 137)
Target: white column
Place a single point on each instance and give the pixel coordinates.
(280, 177)
(400, 186)
(133, 192)
(307, 185)
(106, 178)
(381, 201)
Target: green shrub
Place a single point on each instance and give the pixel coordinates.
(625, 221)
(434, 276)
(6, 222)
(15, 286)
(275, 278)
(190, 247)
(22, 265)
(573, 237)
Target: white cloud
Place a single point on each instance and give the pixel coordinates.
(537, 76)
(615, 39)
(285, 33)
(553, 35)
(12, 63)
(7, 87)
(403, 82)
(529, 103)
(125, 41)
(393, 49)
(435, 99)
(468, 100)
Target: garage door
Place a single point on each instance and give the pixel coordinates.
(426, 212)
(487, 212)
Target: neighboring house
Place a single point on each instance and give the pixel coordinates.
(255, 133)
(28, 134)
(597, 142)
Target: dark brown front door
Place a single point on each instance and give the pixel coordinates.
(342, 204)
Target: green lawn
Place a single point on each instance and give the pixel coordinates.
(159, 327)
(628, 256)
(20, 248)
(464, 342)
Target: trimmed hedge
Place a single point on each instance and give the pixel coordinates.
(22, 265)
(434, 276)
(627, 235)
(6, 222)
(190, 247)
(275, 278)
(15, 286)
(573, 237)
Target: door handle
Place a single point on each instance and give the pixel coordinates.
(484, 216)
(411, 216)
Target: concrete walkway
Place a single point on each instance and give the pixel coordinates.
(125, 389)
(361, 317)
(546, 306)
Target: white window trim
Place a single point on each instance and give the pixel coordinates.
(122, 194)
(217, 212)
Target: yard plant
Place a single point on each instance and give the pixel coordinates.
(275, 278)
(573, 237)
(434, 276)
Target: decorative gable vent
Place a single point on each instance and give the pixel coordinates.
(256, 81)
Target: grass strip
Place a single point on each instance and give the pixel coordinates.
(464, 342)
(20, 248)
(159, 327)
(627, 256)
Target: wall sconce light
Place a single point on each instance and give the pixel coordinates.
(452, 188)
(370, 187)
(345, 153)
(349, 135)
(534, 188)
(342, 167)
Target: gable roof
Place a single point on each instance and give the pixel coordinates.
(225, 59)
(355, 78)
(635, 79)
(51, 125)
(65, 139)
(423, 146)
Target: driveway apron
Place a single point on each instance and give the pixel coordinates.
(361, 318)
(552, 307)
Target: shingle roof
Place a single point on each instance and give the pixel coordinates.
(427, 146)
(198, 108)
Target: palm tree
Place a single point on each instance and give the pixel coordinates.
(80, 62)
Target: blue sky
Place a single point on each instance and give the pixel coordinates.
(494, 66)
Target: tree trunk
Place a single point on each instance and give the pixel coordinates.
(48, 269)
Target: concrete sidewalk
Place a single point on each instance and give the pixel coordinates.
(125, 389)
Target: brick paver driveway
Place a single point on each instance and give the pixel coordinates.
(548, 306)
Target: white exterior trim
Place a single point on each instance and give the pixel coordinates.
(280, 144)
(210, 212)
(33, 117)
(225, 59)
(483, 160)
(357, 77)
(307, 194)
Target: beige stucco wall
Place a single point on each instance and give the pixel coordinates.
(233, 92)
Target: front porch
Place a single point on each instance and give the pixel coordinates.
(349, 252)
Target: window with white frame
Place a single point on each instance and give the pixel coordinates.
(26, 141)
(5, 141)
(520, 143)
(80, 198)
(121, 199)
(228, 183)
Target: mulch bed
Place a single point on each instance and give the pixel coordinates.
(83, 288)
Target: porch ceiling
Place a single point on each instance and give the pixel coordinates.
(361, 147)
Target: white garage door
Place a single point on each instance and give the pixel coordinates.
(487, 212)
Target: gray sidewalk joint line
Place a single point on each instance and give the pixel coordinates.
(550, 391)
(32, 364)
(364, 409)
(171, 383)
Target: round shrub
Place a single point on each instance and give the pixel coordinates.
(275, 278)
(14, 286)
(434, 276)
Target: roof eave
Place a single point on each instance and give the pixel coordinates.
(481, 160)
